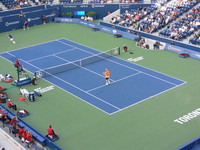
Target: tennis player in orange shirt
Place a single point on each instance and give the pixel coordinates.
(107, 76)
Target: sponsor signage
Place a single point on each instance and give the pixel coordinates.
(11, 23)
(70, 6)
(33, 19)
(180, 50)
(51, 15)
(97, 6)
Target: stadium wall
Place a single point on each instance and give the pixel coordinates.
(13, 22)
(96, 26)
(101, 9)
(178, 47)
(190, 144)
(124, 7)
(17, 11)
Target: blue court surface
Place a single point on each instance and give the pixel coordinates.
(130, 83)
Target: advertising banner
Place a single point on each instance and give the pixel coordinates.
(34, 18)
(180, 50)
(100, 27)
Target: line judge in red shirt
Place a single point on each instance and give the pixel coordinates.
(51, 132)
(11, 105)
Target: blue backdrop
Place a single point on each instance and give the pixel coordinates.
(13, 22)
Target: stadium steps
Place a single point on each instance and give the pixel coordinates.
(7, 146)
(184, 40)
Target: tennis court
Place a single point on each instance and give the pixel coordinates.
(82, 74)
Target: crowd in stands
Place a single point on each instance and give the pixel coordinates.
(129, 18)
(40, 2)
(70, 1)
(87, 18)
(195, 39)
(101, 1)
(184, 26)
(143, 44)
(15, 4)
(24, 135)
(165, 15)
(131, 1)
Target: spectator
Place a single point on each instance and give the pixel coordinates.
(21, 14)
(82, 17)
(11, 105)
(157, 45)
(24, 136)
(29, 138)
(26, 25)
(13, 121)
(44, 18)
(36, 2)
(3, 117)
(14, 124)
(141, 42)
(20, 132)
(51, 133)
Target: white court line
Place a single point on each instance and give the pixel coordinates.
(76, 87)
(83, 67)
(147, 98)
(114, 62)
(130, 67)
(78, 48)
(121, 59)
(62, 88)
(114, 81)
(11, 54)
(51, 54)
(32, 45)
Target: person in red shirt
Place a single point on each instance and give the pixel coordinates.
(44, 18)
(20, 132)
(13, 120)
(24, 136)
(29, 138)
(14, 124)
(17, 63)
(51, 132)
(26, 25)
(11, 105)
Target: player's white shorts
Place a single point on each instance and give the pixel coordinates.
(11, 39)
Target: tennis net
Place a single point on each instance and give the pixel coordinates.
(78, 63)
